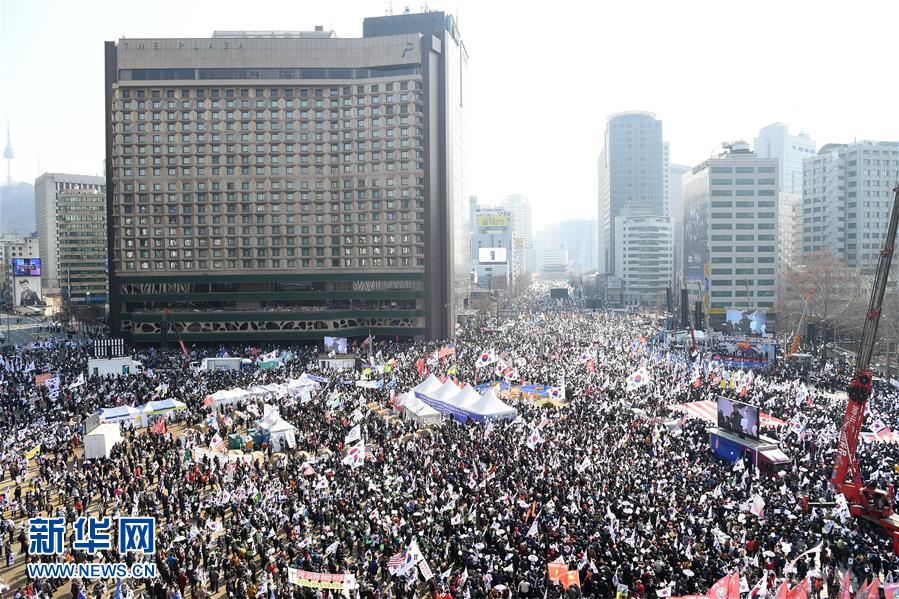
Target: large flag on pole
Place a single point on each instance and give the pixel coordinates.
(355, 457)
(486, 358)
(639, 378)
(412, 557)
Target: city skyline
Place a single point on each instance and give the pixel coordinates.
(68, 136)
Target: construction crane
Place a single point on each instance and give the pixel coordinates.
(868, 502)
(798, 336)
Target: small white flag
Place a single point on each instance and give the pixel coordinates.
(354, 435)
(532, 531)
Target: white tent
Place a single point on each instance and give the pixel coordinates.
(466, 396)
(99, 442)
(282, 434)
(303, 381)
(418, 411)
(261, 391)
(226, 397)
(155, 408)
(118, 414)
(447, 393)
(441, 397)
(427, 386)
(490, 406)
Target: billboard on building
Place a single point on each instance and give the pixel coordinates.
(492, 255)
(493, 221)
(26, 267)
(696, 238)
(27, 292)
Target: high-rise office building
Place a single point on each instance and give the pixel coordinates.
(730, 231)
(633, 174)
(525, 255)
(847, 199)
(70, 212)
(775, 141)
(634, 182)
(289, 185)
(676, 174)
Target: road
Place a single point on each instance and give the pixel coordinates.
(20, 329)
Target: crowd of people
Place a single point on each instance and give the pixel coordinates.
(611, 482)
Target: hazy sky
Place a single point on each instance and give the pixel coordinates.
(543, 76)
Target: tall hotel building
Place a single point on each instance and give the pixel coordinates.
(288, 185)
(730, 232)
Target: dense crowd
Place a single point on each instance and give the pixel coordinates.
(618, 487)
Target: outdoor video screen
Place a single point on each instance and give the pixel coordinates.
(738, 417)
(745, 322)
(336, 344)
(26, 267)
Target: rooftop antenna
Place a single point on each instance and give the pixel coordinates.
(8, 154)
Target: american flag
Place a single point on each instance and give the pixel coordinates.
(447, 350)
(396, 560)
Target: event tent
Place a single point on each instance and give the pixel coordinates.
(461, 404)
(293, 385)
(100, 441)
(267, 391)
(489, 406)
(429, 385)
(118, 414)
(447, 392)
(418, 411)
(282, 434)
(226, 397)
(443, 399)
(467, 395)
(155, 408)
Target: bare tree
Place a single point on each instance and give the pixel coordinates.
(837, 296)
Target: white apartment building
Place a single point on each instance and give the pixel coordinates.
(644, 256)
(846, 201)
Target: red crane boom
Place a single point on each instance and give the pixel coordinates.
(867, 502)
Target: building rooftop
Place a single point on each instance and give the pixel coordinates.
(318, 33)
(651, 115)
